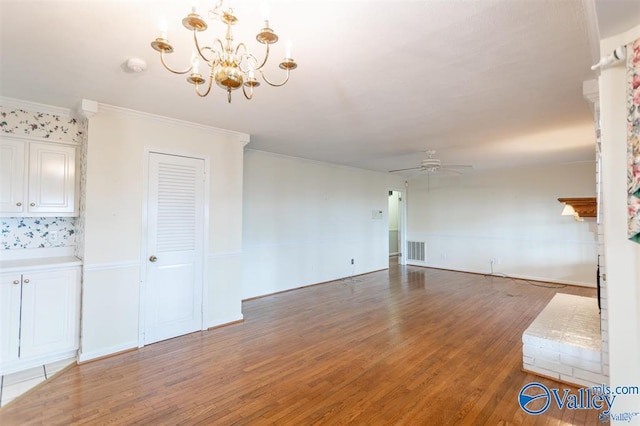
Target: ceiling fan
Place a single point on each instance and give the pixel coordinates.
(434, 165)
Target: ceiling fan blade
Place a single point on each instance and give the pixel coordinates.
(447, 171)
(402, 170)
(456, 166)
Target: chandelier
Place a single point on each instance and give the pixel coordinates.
(229, 66)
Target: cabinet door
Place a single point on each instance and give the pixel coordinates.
(12, 166)
(49, 312)
(51, 178)
(9, 317)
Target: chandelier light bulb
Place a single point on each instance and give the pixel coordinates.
(288, 51)
(163, 27)
(264, 10)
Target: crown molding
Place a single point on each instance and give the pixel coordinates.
(318, 162)
(243, 138)
(87, 108)
(34, 106)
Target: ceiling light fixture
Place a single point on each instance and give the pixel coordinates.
(231, 67)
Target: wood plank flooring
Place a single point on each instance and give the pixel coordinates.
(407, 346)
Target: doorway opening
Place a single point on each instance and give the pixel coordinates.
(396, 225)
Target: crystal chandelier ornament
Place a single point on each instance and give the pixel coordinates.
(230, 66)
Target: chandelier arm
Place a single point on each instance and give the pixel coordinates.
(246, 51)
(274, 84)
(216, 9)
(202, 95)
(221, 53)
(266, 57)
(210, 49)
(169, 68)
(244, 91)
(210, 62)
(201, 49)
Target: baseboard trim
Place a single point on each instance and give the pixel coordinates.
(508, 276)
(106, 353)
(223, 322)
(214, 327)
(311, 285)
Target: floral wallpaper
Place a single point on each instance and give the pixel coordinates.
(633, 140)
(32, 232)
(36, 232)
(83, 125)
(38, 124)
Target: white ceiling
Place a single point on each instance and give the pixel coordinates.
(491, 83)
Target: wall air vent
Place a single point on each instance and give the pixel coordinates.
(416, 251)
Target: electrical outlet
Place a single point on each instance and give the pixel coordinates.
(53, 236)
(352, 262)
(494, 261)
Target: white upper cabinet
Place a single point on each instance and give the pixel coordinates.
(51, 185)
(37, 178)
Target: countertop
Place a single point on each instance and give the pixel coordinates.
(37, 264)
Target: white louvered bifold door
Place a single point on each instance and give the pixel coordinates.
(175, 244)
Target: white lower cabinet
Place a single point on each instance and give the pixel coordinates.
(39, 317)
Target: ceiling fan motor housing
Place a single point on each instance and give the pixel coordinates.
(430, 164)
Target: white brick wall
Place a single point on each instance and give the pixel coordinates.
(604, 323)
(564, 342)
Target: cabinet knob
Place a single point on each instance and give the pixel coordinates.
(32, 204)
(26, 281)
(153, 259)
(18, 204)
(16, 282)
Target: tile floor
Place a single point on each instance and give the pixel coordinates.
(14, 385)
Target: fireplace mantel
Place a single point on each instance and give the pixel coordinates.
(584, 206)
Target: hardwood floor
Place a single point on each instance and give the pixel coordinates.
(410, 346)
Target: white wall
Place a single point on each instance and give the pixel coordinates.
(304, 221)
(113, 227)
(622, 256)
(512, 215)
